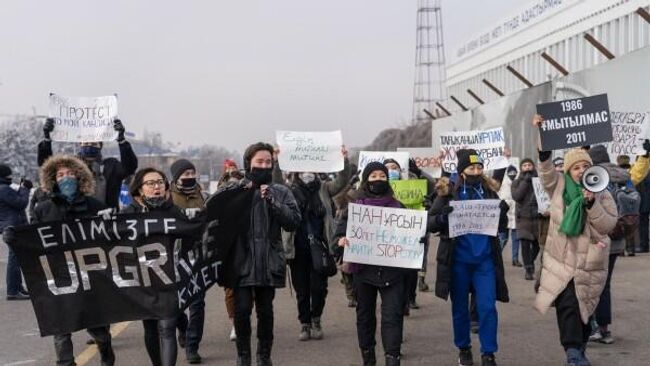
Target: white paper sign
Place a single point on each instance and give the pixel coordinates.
(83, 119)
(385, 236)
(401, 157)
(426, 158)
(629, 130)
(318, 152)
(489, 144)
(543, 200)
(474, 217)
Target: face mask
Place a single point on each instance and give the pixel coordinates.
(90, 152)
(512, 176)
(154, 202)
(394, 174)
(473, 179)
(307, 177)
(68, 187)
(260, 176)
(378, 187)
(188, 183)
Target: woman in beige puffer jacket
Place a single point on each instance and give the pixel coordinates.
(574, 267)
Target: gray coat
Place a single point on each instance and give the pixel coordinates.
(258, 255)
(527, 215)
(618, 176)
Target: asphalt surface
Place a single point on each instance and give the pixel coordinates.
(525, 336)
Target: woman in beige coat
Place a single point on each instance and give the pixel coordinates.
(577, 249)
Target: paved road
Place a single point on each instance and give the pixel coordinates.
(526, 337)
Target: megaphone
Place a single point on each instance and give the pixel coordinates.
(595, 179)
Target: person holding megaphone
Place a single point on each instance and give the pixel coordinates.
(574, 269)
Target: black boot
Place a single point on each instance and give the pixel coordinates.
(392, 360)
(530, 270)
(243, 351)
(264, 353)
(369, 358)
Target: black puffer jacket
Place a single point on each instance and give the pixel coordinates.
(257, 258)
(445, 254)
(527, 212)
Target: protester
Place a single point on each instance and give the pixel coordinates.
(257, 265)
(527, 215)
(627, 201)
(108, 173)
(505, 193)
(315, 201)
(470, 261)
(187, 194)
(69, 185)
(577, 248)
(349, 194)
(12, 213)
(370, 279)
(150, 192)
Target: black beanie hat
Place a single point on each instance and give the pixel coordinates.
(467, 157)
(599, 154)
(5, 171)
(511, 168)
(371, 167)
(180, 166)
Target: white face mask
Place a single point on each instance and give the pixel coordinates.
(307, 177)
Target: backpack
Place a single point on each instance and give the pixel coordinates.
(628, 202)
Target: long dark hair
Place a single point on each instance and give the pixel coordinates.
(138, 178)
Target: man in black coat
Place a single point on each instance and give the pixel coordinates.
(108, 173)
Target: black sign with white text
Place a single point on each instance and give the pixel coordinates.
(575, 122)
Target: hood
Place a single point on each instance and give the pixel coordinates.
(617, 174)
(47, 173)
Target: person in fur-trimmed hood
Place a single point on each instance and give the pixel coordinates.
(470, 260)
(69, 186)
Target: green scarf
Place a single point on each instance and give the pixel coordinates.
(574, 213)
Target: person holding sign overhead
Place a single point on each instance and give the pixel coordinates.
(575, 256)
(470, 260)
(370, 279)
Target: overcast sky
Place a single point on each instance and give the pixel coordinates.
(227, 72)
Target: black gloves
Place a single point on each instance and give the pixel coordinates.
(413, 168)
(8, 234)
(119, 127)
(646, 147)
(27, 184)
(48, 127)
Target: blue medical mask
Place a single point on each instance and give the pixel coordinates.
(394, 174)
(68, 188)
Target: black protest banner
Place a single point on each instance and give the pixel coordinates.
(93, 272)
(575, 122)
(228, 219)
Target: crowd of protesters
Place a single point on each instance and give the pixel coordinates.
(569, 249)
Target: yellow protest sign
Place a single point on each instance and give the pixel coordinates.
(410, 192)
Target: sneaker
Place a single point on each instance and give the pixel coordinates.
(474, 327)
(18, 296)
(413, 305)
(233, 334)
(605, 338)
(488, 360)
(465, 357)
(529, 276)
(193, 357)
(422, 285)
(596, 336)
(517, 263)
(316, 329)
(305, 332)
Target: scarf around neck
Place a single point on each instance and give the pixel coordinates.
(573, 221)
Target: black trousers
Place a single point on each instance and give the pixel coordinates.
(573, 332)
(411, 285)
(193, 327)
(311, 287)
(604, 309)
(65, 353)
(644, 223)
(530, 250)
(263, 298)
(160, 341)
(392, 316)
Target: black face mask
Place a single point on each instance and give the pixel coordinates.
(473, 179)
(188, 183)
(155, 201)
(512, 176)
(260, 176)
(378, 187)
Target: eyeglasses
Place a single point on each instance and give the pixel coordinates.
(153, 183)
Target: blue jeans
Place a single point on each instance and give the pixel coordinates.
(503, 240)
(14, 279)
(481, 277)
